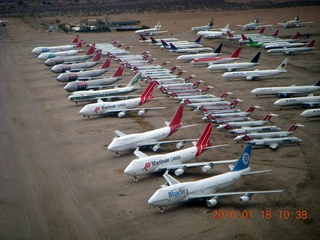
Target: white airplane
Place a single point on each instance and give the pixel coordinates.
(151, 31)
(3, 22)
(239, 113)
(155, 42)
(152, 139)
(311, 113)
(309, 101)
(232, 125)
(121, 108)
(207, 189)
(75, 67)
(74, 42)
(84, 75)
(220, 107)
(294, 23)
(176, 160)
(287, 91)
(293, 50)
(214, 34)
(144, 39)
(95, 83)
(195, 50)
(188, 92)
(92, 95)
(249, 130)
(71, 59)
(45, 55)
(260, 135)
(273, 143)
(165, 88)
(253, 25)
(285, 43)
(232, 36)
(198, 102)
(237, 65)
(195, 44)
(217, 60)
(257, 74)
(202, 28)
(189, 57)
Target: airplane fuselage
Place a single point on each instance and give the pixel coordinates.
(311, 113)
(309, 101)
(71, 67)
(275, 141)
(231, 66)
(46, 55)
(259, 129)
(66, 59)
(285, 91)
(39, 50)
(244, 124)
(66, 77)
(265, 135)
(252, 75)
(90, 84)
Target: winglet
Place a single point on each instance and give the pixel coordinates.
(244, 160)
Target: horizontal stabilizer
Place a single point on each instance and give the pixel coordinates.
(256, 172)
(119, 133)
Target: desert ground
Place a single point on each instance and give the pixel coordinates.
(58, 180)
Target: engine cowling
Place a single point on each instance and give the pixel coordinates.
(156, 147)
(282, 95)
(180, 145)
(212, 202)
(179, 171)
(121, 114)
(246, 198)
(142, 112)
(206, 168)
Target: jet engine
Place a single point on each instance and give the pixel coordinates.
(245, 198)
(156, 147)
(180, 145)
(121, 114)
(206, 168)
(282, 95)
(142, 112)
(212, 202)
(179, 171)
(251, 78)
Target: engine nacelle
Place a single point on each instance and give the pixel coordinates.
(121, 114)
(156, 147)
(206, 168)
(179, 171)
(212, 202)
(180, 145)
(142, 112)
(282, 95)
(246, 197)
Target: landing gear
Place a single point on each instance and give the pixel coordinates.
(161, 209)
(117, 154)
(135, 179)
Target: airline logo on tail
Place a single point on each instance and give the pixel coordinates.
(204, 140)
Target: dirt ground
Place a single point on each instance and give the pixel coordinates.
(58, 181)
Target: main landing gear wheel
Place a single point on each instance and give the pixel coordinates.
(135, 179)
(161, 209)
(117, 154)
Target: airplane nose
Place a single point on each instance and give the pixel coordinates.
(129, 170)
(68, 87)
(237, 138)
(277, 102)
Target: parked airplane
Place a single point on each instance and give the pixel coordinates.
(311, 113)
(217, 60)
(287, 91)
(260, 135)
(144, 39)
(45, 55)
(153, 139)
(257, 74)
(92, 95)
(176, 160)
(290, 51)
(294, 23)
(255, 123)
(155, 42)
(202, 28)
(232, 36)
(84, 75)
(151, 31)
(309, 101)
(71, 59)
(221, 115)
(188, 92)
(273, 143)
(207, 189)
(121, 108)
(95, 83)
(253, 25)
(214, 34)
(75, 67)
(285, 44)
(248, 130)
(182, 49)
(195, 44)
(188, 57)
(3, 22)
(237, 65)
(73, 43)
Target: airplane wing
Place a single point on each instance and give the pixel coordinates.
(197, 164)
(119, 133)
(170, 180)
(139, 154)
(224, 194)
(273, 145)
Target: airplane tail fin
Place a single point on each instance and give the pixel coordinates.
(261, 30)
(153, 40)
(296, 35)
(187, 101)
(225, 94)
(204, 139)
(176, 119)
(106, 64)
(227, 126)
(187, 79)
(147, 93)
(230, 34)
(91, 49)
(283, 65)
(143, 38)
(164, 43)
(196, 84)
(119, 71)
(165, 63)
(269, 116)
(158, 26)
(211, 23)
(198, 39)
(252, 108)
(244, 160)
(311, 44)
(134, 81)
(255, 59)
(305, 40)
(218, 49)
(236, 53)
(173, 46)
(244, 37)
(234, 102)
(97, 57)
(317, 83)
(293, 127)
(205, 89)
(79, 45)
(75, 40)
(276, 33)
(211, 117)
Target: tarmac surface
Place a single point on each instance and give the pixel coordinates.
(58, 180)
